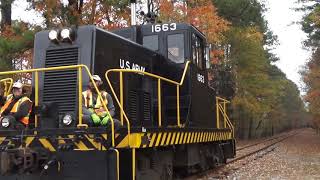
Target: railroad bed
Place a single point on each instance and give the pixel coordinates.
(292, 155)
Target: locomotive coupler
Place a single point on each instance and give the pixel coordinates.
(21, 160)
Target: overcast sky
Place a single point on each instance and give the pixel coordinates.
(280, 15)
(282, 19)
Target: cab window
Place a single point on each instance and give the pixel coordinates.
(197, 51)
(176, 47)
(151, 42)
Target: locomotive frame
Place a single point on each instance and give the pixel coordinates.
(158, 106)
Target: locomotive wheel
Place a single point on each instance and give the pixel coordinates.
(167, 172)
(155, 165)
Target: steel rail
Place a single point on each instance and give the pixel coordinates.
(209, 171)
(257, 143)
(261, 149)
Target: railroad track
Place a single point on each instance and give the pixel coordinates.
(270, 146)
(274, 140)
(260, 142)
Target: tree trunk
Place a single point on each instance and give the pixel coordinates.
(5, 12)
(75, 9)
(250, 129)
(93, 12)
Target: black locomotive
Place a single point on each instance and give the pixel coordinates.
(173, 123)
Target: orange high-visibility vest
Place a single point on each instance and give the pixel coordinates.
(88, 100)
(15, 108)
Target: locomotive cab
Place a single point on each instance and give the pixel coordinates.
(180, 43)
(177, 42)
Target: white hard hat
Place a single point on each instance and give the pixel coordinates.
(17, 85)
(96, 78)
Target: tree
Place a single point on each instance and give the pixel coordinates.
(5, 8)
(311, 22)
(5, 12)
(105, 14)
(242, 13)
(200, 13)
(16, 42)
(310, 73)
(259, 105)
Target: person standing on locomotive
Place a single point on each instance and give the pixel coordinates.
(17, 107)
(94, 113)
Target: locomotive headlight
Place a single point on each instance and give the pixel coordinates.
(67, 119)
(65, 34)
(53, 35)
(5, 122)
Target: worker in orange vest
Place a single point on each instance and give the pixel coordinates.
(16, 109)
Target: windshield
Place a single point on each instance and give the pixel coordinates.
(176, 48)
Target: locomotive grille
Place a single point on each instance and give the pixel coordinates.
(146, 107)
(139, 106)
(133, 105)
(61, 86)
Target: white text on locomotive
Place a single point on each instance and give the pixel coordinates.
(128, 65)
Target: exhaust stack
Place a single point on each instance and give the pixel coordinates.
(133, 13)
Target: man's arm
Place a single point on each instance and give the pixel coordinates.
(23, 110)
(83, 102)
(110, 107)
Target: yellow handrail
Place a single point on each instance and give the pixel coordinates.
(7, 88)
(117, 161)
(77, 67)
(159, 78)
(221, 107)
(227, 120)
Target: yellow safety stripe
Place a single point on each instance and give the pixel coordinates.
(152, 140)
(137, 140)
(47, 144)
(29, 140)
(163, 139)
(168, 139)
(177, 138)
(158, 139)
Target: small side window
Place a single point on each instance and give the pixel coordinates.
(176, 48)
(207, 55)
(151, 42)
(198, 51)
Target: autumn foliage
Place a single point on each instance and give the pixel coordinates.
(311, 75)
(200, 13)
(105, 14)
